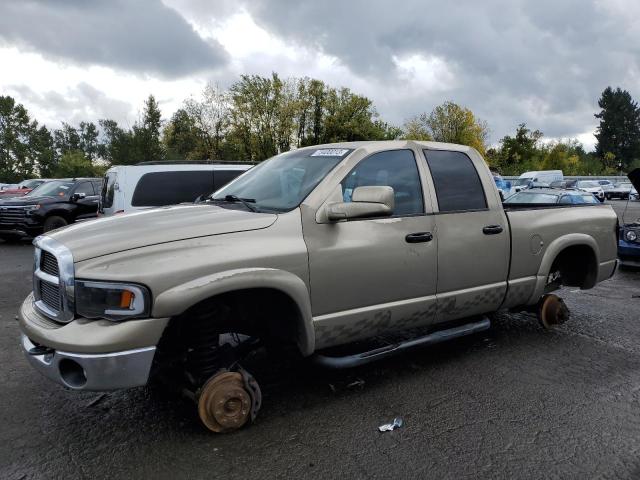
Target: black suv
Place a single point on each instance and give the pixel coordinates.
(52, 205)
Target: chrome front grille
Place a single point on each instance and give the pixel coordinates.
(11, 215)
(53, 280)
(49, 264)
(50, 295)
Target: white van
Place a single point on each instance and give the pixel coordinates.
(537, 176)
(127, 188)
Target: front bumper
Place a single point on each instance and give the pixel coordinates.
(90, 354)
(629, 253)
(83, 371)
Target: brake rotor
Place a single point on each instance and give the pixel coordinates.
(224, 404)
(552, 311)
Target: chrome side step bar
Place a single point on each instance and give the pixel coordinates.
(363, 358)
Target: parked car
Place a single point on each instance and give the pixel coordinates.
(527, 179)
(52, 205)
(550, 196)
(629, 235)
(127, 188)
(622, 190)
(591, 186)
(22, 189)
(504, 186)
(315, 248)
(605, 184)
(6, 186)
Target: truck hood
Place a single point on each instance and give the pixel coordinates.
(118, 233)
(634, 176)
(24, 200)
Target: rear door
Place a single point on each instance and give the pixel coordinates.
(473, 237)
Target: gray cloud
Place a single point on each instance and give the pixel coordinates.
(79, 103)
(544, 62)
(142, 36)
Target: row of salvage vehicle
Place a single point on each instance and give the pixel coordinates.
(321, 247)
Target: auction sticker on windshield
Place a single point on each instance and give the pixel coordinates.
(330, 152)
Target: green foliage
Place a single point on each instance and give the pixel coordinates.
(258, 117)
(449, 123)
(74, 163)
(619, 129)
(23, 145)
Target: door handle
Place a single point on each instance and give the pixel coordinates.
(492, 229)
(419, 237)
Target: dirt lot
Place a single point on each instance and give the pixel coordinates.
(514, 402)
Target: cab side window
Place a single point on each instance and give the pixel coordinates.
(394, 168)
(86, 188)
(457, 183)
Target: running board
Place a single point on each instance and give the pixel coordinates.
(363, 358)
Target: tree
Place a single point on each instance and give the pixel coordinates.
(518, 153)
(452, 123)
(146, 134)
(115, 143)
(619, 130)
(23, 144)
(182, 139)
(416, 128)
(210, 120)
(75, 164)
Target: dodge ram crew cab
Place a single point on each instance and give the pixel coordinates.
(315, 248)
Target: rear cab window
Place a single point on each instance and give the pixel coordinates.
(456, 180)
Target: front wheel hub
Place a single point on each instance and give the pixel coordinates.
(227, 401)
(552, 311)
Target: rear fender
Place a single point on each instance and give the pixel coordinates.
(552, 252)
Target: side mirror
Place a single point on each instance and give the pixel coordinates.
(366, 202)
(78, 196)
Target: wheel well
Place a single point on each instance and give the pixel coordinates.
(59, 213)
(577, 266)
(266, 313)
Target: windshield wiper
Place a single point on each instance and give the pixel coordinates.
(245, 201)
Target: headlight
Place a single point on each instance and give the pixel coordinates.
(630, 236)
(113, 301)
(31, 208)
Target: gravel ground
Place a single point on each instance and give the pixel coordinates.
(513, 402)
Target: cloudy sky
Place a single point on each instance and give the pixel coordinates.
(541, 62)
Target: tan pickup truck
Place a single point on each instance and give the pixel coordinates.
(314, 248)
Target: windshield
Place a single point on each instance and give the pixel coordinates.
(30, 184)
(624, 185)
(522, 181)
(526, 197)
(55, 188)
(281, 183)
(588, 184)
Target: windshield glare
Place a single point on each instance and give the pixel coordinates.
(588, 184)
(51, 189)
(522, 181)
(281, 183)
(532, 198)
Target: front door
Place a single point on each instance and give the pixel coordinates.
(87, 207)
(369, 276)
(473, 237)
